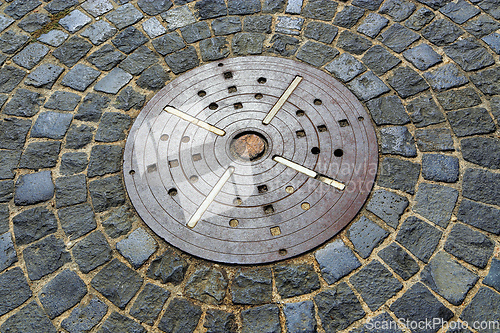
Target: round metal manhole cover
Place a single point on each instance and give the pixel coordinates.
(250, 160)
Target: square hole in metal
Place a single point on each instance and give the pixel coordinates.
(343, 123)
(275, 231)
(301, 134)
(322, 128)
(238, 106)
(152, 168)
(262, 188)
(197, 157)
(228, 75)
(269, 209)
(232, 89)
(173, 163)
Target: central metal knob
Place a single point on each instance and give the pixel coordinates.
(249, 146)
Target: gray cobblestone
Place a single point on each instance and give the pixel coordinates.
(388, 206)
(469, 54)
(480, 216)
(295, 280)
(435, 203)
(24, 103)
(440, 168)
(29, 318)
(481, 26)
(252, 286)
(226, 25)
(85, 317)
(372, 25)
(180, 316)
(34, 188)
(399, 260)
(218, 321)
(33, 224)
(345, 67)
(153, 27)
(422, 56)
(207, 9)
(9, 255)
(195, 32)
(129, 39)
(399, 10)
(97, 8)
(481, 185)
(80, 77)
(183, 60)
(420, 18)
(353, 43)
(155, 77)
(75, 21)
(469, 245)
(258, 23)
(32, 22)
(53, 38)
(407, 82)
(99, 32)
(107, 193)
(91, 107)
(493, 277)
(137, 247)
(44, 76)
(379, 60)
(31, 55)
(79, 136)
(9, 161)
(348, 17)
(316, 54)
(289, 25)
(487, 81)
(124, 16)
(398, 38)
(471, 121)
(45, 257)
(398, 140)
(214, 48)
(368, 86)
(56, 6)
(168, 268)
(72, 51)
(14, 290)
(336, 260)
(419, 237)
(10, 77)
(18, 8)
(113, 82)
(77, 220)
(460, 11)
(388, 111)
(493, 42)
(154, 7)
(263, 318)
(91, 252)
(178, 17)
(483, 308)
(10, 42)
(149, 303)
(207, 284)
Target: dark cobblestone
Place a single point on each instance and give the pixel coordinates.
(407, 82)
(493, 277)
(33, 188)
(155, 77)
(320, 10)
(469, 245)
(247, 43)
(397, 140)
(57, 6)
(14, 290)
(353, 43)
(137, 247)
(226, 25)
(8, 162)
(316, 54)
(79, 136)
(91, 108)
(336, 260)
(52, 125)
(399, 260)
(345, 67)
(9, 255)
(10, 77)
(119, 323)
(420, 19)
(44, 76)
(125, 16)
(252, 286)
(422, 56)
(372, 25)
(130, 99)
(154, 7)
(195, 32)
(368, 86)
(19, 8)
(388, 206)
(183, 60)
(469, 54)
(419, 237)
(99, 32)
(214, 48)
(218, 321)
(4, 218)
(10, 42)
(446, 77)
(33, 224)
(107, 193)
(440, 168)
(24, 103)
(424, 111)
(6, 189)
(38, 155)
(259, 23)
(482, 185)
(118, 222)
(71, 190)
(398, 38)
(129, 39)
(484, 151)
(481, 26)
(180, 316)
(168, 44)
(460, 11)
(300, 317)
(45, 257)
(471, 121)
(112, 127)
(30, 318)
(31, 55)
(273, 6)
(208, 285)
(63, 101)
(491, 7)
(348, 17)
(106, 58)
(493, 42)
(77, 221)
(480, 216)
(73, 163)
(84, 317)
(366, 235)
(487, 81)
(72, 51)
(459, 99)
(295, 280)
(284, 45)
(399, 174)
(379, 60)
(243, 7)
(149, 303)
(399, 10)
(442, 32)
(435, 203)
(484, 307)
(80, 77)
(168, 268)
(207, 9)
(367, 4)
(321, 32)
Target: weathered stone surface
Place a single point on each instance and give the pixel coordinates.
(8, 253)
(481, 26)
(10, 77)
(6, 189)
(113, 82)
(397, 140)
(14, 290)
(218, 321)
(469, 245)
(73, 163)
(419, 304)
(4, 218)
(31, 55)
(263, 318)
(91, 252)
(207, 9)
(471, 121)
(52, 125)
(493, 277)
(419, 237)
(446, 77)
(53, 38)
(480, 216)
(152, 7)
(300, 317)
(207, 285)
(379, 60)
(372, 25)
(493, 42)
(183, 60)
(44, 76)
(388, 111)
(338, 308)
(424, 111)
(33, 224)
(104, 159)
(137, 247)
(316, 54)
(273, 6)
(440, 168)
(86, 316)
(484, 308)
(112, 127)
(399, 10)
(482, 185)
(24, 103)
(129, 98)
(484, 151)
(117, 282)
(435, 203)
(399, 174)
(77, 221)
(119, 323)
(320, 9)
(460, 11)
(149, 303)
(226, 25)
(336, 260)
(381, 287)
(19, 8)
(388, 206)
(155, 77)
(441, 32)
(399, 260)
(495, 107)
(368, 86)
(138, 61)
(63, 101)
(10, 42)
(469, 54)
(179, 17)
(124, 16)
(398, 38)
(129, 39)
(56, 6)
(365, 236)
(71, 190)
(422, 56)
(353, 43)
(487, 81)
(31, 318)
(9, 159)
(289, 25)
(74, 21)
(243, 7)
(283, 45)
(180, 316)
(407, 82)
(168, 268)
(448, 278)
(491, 7)
(168, 44)
(34, 188)
(459, 99)
(420, 18)
(106, 58)
(252, 286)
(247, 43)
(153, 27)
(97, 8)
(91, 107)
(295, 280)
(367, 4)
(72, 51)
(106, 193)
(80, 77)
(45, 257)
(79, 136)
(345, 67)
(259, 23)
(348, 17)
(118, 222)
(214, 48)
(5, 22)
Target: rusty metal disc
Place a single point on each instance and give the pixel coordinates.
(203, 137)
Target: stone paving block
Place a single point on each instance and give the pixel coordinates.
(56, 6)
(38, 155)
(180, 316)
(353, 43)
(99, 32)
(32, 22)
(252, 286)
(273, 6)
(181, 16)
(383, 323)
(153, 27)
(154, 7)
(316, 54)
(460, 11)
(459, 99)
(469, 245)
(4, 218)
(208, 285)
(5, 22)
(10, 42)
(295, 280)
(321, 32)
(71, 190)
(487, 81)
(300, 317)
(44, 76)
(117, 282)
(119, 323)
(484, 151)
(79, 136)
(97, 8)
(448, 278)
(80, 77)
(138, 61)
(258, 23)
(34, 188)
(137, 247)
(419, 304)
(53, 38)
(184, 60)
(18, 8)
(129, 99)
(155, 77)
(366, 235)
(246, 43)
(388, 206)
(293, 6)
(168, 44)
(482, 185)
(263, 318)
(77, 221)
(168, 268)
(495, 107)
(112, 127)
(220, 321)
(348, 17)
(491, 7)
(45, 257)
(283, 45)
(14, 290)
(422, 56)
(372, 25)
(9, 160)
(323, 10)
(440, 168)
(382, 286)
(10, 77)
(493, 277)
(407, 82)
(397, 140)
(74, 21)
(368, 4)
(107, 193)
(469, 54)
(31, 55)
(24, 103)
(30, 318)
(129, 39)
(336, 260)
(399, 10)
(398, 38)
(72, 51)
(480, 216)
(493, 42)
(338, 308)
(85, 317)
(149, 303)
(6, 190)
(113, 82)
(446, 77)
(379, 60)
(62, 293)
(442, 32)
(243, 7)
(435, 203)
(124, 16)
(420, 18)
(226, 25)
(9, 255)
(399, 260)
(471, 121)
(92, 252)
(419, 237)
(484, 308)
(399, 174)
(424, 111)
(481, 26)
(368, 86)
(63, 101)
(106, 58)
(289, 25)
(207, 9)
(195, 32)
(345, 67)
(33, 224)
(211, 49)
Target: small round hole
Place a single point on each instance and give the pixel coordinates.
(185, 139)
(289, 189)
(234, 223)
(220, 64)
(131, 172)
(237, 201)
(338, 152)
(262, 80)
(258, 96)
(172, 192)
(305, 206)
(193, 179)
(315, 150)
(202, 93)
(361, 118)
(300, 113)
(318, 102)
(213, 106)
(283, 252)
(164, 137)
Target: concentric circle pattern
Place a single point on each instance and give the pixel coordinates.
(265, 210)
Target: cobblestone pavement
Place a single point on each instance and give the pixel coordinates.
(75, 257)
